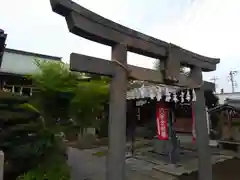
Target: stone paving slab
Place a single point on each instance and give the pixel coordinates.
(187, 164)
(86, 166)
(141, 168)
(189, 167)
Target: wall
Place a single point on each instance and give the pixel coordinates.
(183, 125)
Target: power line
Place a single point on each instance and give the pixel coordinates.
(232, 75)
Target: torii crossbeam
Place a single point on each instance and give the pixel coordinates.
(87, 24)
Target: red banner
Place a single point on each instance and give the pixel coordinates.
(162, 122)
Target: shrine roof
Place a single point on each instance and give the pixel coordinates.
(92, 26)
(233, 102)
(223, 108)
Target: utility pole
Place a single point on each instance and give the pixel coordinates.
(232, 75)
(214, 79)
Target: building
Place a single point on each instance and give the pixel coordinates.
(22, 62)
(224, 96)
(15, 65)
(183, 121)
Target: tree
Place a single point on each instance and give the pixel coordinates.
(56, 86)
(30, 136)
(64, 95)
(88, 103)
(24, 137)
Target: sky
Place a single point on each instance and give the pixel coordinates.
(208, 27)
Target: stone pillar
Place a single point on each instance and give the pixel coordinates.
(202, 138)
(1, 164)
(117, 116)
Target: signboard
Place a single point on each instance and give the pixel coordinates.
(162, 122)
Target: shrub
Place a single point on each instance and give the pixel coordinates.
(24, 138)
(55, 168)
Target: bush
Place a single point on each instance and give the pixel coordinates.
(24, 138)
(55, 168)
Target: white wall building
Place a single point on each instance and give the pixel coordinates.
(15, 64)
(223, 96)
(22, 62)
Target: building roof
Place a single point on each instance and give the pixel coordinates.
(23, 62)
(223, 96)
(232, 100)
(229, 104)
(27, 53)
(222, 108)
(228, 93)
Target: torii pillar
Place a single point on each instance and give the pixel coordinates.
(117, 116)
(202, 137)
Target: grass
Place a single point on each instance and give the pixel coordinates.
(55, 168)
(100, 153)
(88, 143)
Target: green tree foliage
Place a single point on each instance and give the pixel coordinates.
(55, 76)
(55, 85)
(68, 95)
(24, 139)
(29, 126)
(88, 103)
(55, 168)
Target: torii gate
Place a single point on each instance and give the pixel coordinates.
(87, 24)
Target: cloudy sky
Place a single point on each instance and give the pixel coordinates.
(208, 27)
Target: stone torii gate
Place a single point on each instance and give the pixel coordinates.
(89, 25)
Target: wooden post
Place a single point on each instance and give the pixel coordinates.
(202, 138)
(117, 117)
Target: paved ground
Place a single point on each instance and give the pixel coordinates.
(228, 170)
(86, 166)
